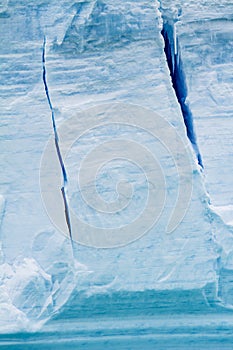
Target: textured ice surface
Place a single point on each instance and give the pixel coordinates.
(206, 39)
(32, 289)
(100, 52)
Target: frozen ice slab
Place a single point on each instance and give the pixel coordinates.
(101, 53)
(205, 35)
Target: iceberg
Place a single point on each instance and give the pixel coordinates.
(115, 116)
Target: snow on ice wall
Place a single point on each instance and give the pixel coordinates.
(99, 52)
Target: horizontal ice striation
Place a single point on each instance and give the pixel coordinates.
(99, 24)
(98, 52)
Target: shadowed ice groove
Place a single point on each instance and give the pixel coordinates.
(56, 140)
(174, 61)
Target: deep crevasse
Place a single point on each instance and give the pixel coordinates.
(173, 55)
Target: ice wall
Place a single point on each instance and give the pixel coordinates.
(100, 52)
(205, 35)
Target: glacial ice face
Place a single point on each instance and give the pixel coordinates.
(205, 36)
(102, 80)
(99, 52)
(204, 31)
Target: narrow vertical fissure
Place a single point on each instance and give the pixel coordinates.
(175, 65)
(56, 140)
